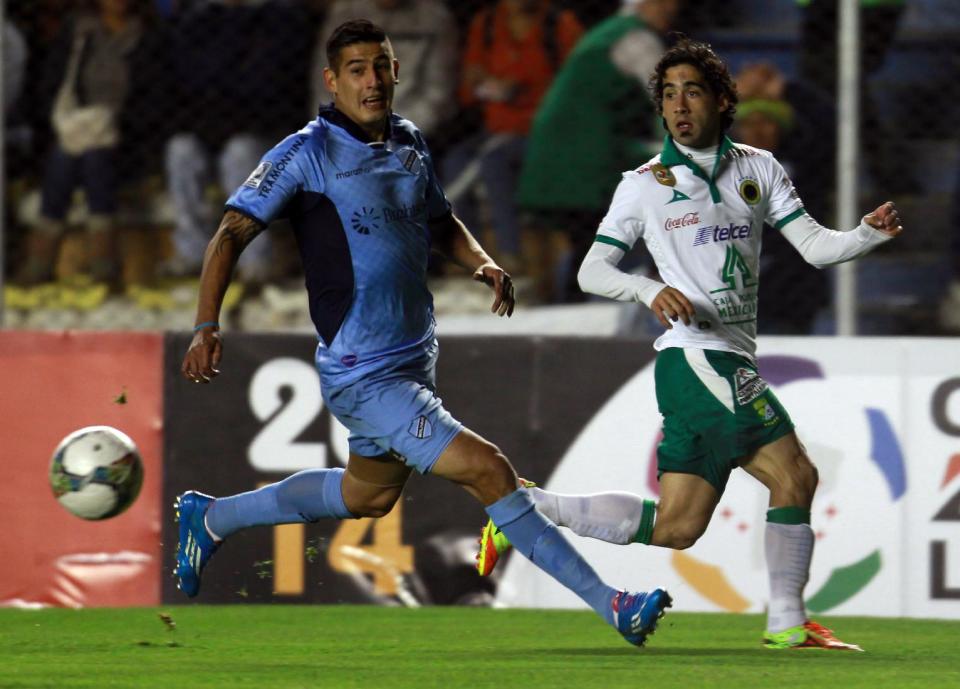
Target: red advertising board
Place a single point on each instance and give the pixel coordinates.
(52, 384)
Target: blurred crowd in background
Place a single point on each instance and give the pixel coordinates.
(128, 122)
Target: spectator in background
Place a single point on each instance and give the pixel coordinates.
(795, 290)
(425, 40)
(818, 68)
(596, 121)
(788, 118)
(808, 149)
(241, 69)
(514, 49)
(97, 89)
(14, 65)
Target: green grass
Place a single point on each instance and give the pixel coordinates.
(286, 647)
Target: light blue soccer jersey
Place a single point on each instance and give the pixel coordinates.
(359, 211)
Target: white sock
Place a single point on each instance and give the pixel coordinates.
(611, 517)
(789, 549)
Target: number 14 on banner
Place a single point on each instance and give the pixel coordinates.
(386, 558)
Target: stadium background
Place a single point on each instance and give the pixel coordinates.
(54, 382)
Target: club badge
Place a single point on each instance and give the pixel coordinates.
(662, 174)
(750, 191)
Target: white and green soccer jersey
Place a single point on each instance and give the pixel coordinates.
(704, 233)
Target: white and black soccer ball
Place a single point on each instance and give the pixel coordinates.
(96, 472)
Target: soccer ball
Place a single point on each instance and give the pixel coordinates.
(96, 472)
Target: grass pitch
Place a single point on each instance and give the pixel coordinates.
(287, 647)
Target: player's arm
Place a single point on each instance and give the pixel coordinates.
(822, 247)
(454, 241)
(600, 275)
(236, 231)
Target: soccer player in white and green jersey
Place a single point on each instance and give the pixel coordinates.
(700, 206)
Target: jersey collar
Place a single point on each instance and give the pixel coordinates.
(670, 156)
(334, 116)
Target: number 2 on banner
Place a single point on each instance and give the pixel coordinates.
(275, 448)
(386, 558)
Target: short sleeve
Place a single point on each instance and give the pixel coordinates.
(622, 226)
(436, 200)
(784, 202)
(274, 182)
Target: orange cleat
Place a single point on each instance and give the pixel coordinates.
(810, 634)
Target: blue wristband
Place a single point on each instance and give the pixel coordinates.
(207, 324)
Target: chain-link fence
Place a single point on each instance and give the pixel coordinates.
(128, 122)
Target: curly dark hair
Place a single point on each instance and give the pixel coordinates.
(700, 55)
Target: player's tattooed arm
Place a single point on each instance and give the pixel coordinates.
(236, 231)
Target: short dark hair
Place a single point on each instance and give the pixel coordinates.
(714, 70)
(348, 33)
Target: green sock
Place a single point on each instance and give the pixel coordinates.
(788, 515)
(648, 516)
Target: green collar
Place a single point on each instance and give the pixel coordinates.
(671, 155)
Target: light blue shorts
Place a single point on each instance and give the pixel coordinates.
(396, 410)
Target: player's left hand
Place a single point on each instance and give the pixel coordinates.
(885, 219)
(499, 280)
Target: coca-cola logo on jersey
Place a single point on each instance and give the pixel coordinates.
(685, 220)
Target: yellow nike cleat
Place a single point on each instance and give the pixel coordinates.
(807, 635)
(493, 543)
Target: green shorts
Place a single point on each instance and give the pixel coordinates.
(716, 410)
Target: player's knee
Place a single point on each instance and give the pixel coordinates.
(676, 536)
(810, 478)
(491, 472)
(376, 505)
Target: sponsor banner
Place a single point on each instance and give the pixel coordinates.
(263, 419)
(53, 384)
(884, 431)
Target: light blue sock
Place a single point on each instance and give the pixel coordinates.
(540, 542)
(304, 497)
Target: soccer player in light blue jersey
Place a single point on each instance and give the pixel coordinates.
(359, 189)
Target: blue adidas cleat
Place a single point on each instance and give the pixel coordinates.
(195, 546)
(635, 615)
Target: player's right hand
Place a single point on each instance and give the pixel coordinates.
(670, 305)
(203, 356)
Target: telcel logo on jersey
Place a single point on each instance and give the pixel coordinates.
(721, 233)
(684, 221)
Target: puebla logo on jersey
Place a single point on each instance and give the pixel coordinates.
(721, 233)
(749, 191)
(365, 220)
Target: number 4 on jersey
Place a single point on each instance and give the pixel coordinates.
(733, 264)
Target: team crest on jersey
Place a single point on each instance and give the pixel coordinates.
(765, 411)
(410, 160)
(420, 428)
(663, 175)
(749, 385)
(257, 176)
(749, 191)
